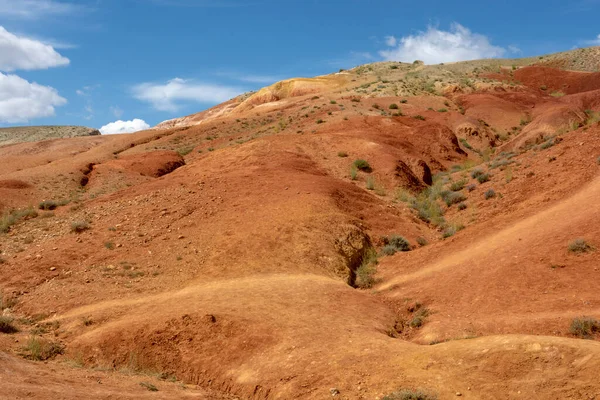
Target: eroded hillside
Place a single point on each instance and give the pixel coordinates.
(394, 226)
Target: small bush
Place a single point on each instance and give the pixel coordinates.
(462, 206)
(422, 241)
(476, 173)
(580, 246)
(418, 318)
(342, 154)
(403, 101)
(471, 187)
(79, 226)
(6, 325)
(184, 151)
(483, 178)
(370, 183)
(48, 205)
(109, 245)
(394, 106)
(40, 349)
(406, 394)
(458, 185)
(585, 327)
(332, 102)
(419, 117)
(443, 110)
(376, 106)
(353, 173)
(451, 198)
(320, 121)
(489, 194)
(365, 273)
(362, 165)
(394, 244)
(451, 230)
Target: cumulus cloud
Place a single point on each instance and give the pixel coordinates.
(435, 46)
(169, 96)
(124, 127)
(21, 100)
(17, 52)
(34, 9)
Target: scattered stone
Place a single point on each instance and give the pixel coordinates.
(334, 391)
(52, 268)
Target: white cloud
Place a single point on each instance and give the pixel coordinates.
(595, 42)
(34, 9)
(435, 46)
(169, 96)
(391, 41)
(514, 49)
(124, 127)
(18, 52)
(21, 100)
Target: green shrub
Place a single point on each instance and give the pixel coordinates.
(149, 386)
(462, 206)
(418, 318)
(419, 117)
(407, 394)
(585, 327)
(471, 187)
(394, 106)
(79, 226)
(362, 165)
(458, 185)
(184, 151)
(580, 246)
(443, 110)
(320, 121)
(403, 101)
(365, 273)
(489, 194)
(422, 241)
(451, 230)
(332, 102)
(9, 219)
(342, 154)
(40, 349)
(394, 244)
(483, 178)
(451, 198)
(353, 173)
(6, 325)
(476, 173)
(48, 205)
(370, 183)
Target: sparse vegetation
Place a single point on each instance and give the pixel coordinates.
(580, 246)
(184, 151)
(489, 194)
(365, 273)
(362, 165)
(6, 325)
(342, 154)
(451, 198)
(483, 178)
(419, 117)
(407, 394)
(370, 183)
(149, 386)
(585, 327)
(79, 226)
(394, 244)
(9, 219)
(40, 349)
(394, 106)
(458, 185)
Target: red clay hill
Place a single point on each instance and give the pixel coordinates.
(393, 230)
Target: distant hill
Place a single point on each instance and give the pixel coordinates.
(36, 133)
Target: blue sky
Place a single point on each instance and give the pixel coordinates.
(98, 61)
